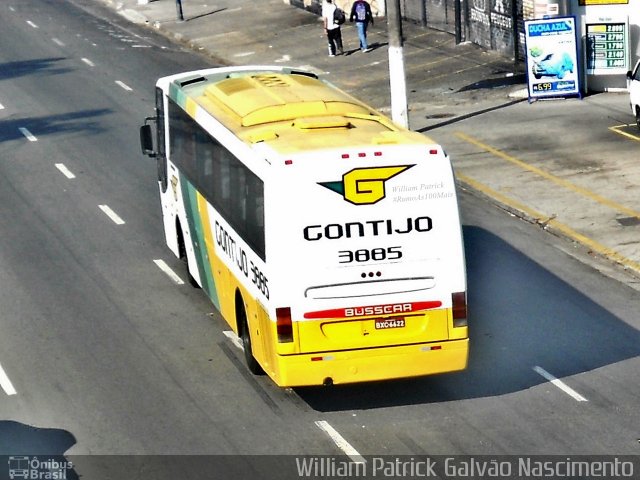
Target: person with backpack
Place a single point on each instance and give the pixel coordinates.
(332, 21)
(361, 14)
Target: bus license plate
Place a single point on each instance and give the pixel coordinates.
(390, 323)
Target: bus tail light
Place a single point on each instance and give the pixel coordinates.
(284, 326)
(459, 302)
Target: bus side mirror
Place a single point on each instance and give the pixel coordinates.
(146, 141)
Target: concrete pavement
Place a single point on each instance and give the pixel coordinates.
(570, 166)
(444, 79)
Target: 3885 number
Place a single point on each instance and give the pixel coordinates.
(260, 280)
(366, 255)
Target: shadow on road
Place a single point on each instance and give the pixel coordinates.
(32, 452)
(79, 121)
(530, 318)
(497, 82)
(30, 67)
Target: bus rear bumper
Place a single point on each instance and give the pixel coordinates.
(372, 364)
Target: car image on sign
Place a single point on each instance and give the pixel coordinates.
(553, 65)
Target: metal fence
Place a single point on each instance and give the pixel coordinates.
(493, 24)
(438, 14)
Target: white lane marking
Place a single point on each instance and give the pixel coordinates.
(31, 24)
(65, 171)
(57, 42)
(235, 339)
(6, 384)
(167, 269)
(124, 85)
(560, 384)
(111, 214)
(340, 442)
(12, 9)
(140, 46)
(284, 58)
(1, 107)
(28, 134)
(88, 62)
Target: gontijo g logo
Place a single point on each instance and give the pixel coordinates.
(364, 186)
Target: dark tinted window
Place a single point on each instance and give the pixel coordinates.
(232, 189)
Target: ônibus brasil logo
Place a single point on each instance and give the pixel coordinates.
(364, 186)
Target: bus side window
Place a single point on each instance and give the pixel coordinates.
(254, 222)
(224, 183)
(239, 193)
(205, 150)
(161, 158)
(182, 141)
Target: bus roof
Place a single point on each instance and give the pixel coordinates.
(291, 110)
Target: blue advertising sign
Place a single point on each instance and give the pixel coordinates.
(552, 57)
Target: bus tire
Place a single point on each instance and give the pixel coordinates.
(245, 335)
(182, 251)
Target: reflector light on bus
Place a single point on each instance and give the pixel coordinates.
(459, 302)
(288, 162)
(362, 154)
(433, 151)
(320, 359)
(284, 326)
(345, 155)
(377, 154)
(428, 348)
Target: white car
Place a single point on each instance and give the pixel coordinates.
(633, 85)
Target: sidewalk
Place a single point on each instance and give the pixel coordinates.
(444, 79)
(544, 162)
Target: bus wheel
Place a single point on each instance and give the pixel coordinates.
(184, 257)
(245, 334)
(192, 281)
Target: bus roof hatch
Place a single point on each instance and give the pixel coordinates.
(273, 97)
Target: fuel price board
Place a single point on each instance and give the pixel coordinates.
(607, 47)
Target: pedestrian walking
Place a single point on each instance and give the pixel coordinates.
(332, 28)
(361, 14)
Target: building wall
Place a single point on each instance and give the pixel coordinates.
(585, 13)
(631, 9)
(491, 24)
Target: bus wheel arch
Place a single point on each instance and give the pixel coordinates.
(244, 332)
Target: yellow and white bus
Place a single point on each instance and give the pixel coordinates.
(327, 237)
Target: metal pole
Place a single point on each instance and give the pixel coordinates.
(179, 10)
(398, 81)
(457, 10)
(516, 34)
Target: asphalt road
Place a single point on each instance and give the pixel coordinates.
(107, 355)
